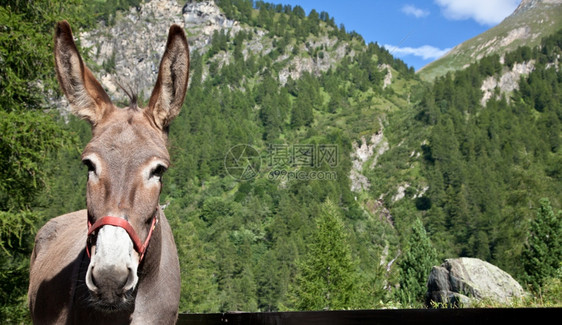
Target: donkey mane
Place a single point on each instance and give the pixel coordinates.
(131, 93)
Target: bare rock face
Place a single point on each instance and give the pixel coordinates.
(131, 48)
(462, 281)
(507, 82)
(361, 153)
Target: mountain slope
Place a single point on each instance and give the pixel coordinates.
(326, 117)
(527, 25)
(297, 90)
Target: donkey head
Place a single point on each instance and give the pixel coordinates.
(125, 158)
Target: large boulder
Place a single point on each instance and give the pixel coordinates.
(461, 281)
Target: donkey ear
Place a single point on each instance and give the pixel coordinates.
(86, 96)
(169, 92)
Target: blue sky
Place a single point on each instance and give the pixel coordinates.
(417, 32)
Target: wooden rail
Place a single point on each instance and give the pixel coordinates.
(478, 316)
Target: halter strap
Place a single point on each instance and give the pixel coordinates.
(139, 246)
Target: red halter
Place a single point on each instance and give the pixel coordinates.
(139, 246)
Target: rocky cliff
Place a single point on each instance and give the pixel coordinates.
(129, 51)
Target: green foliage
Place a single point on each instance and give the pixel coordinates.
(326, 276)
(308, 98)
(199, 290)
(551, 291)
(486, 165)
(27, 75)
(415, 264)
(543, 251)
(27, 136)
(16, 229)
(520, 55)
(65, 181)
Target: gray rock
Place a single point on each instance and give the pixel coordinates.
(462, 281)
(135, 43)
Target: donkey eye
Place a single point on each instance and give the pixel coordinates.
(158, 171)
(90, 165)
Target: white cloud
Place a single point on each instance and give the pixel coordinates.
(414, 11)
(426, 52)
(484, 12)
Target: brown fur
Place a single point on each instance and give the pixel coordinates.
(124, 142)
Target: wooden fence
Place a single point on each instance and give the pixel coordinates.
(477, 316)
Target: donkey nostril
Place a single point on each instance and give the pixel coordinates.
(131, 280)
(90, 282)
(93, 279)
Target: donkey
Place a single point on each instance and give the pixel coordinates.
(116, 261)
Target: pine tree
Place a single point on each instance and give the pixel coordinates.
(27, 135)
(199, 286)
(326, 277)
(543, 251)
(415, 265)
